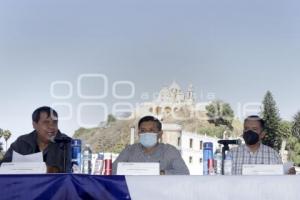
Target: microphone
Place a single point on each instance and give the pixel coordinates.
(227, 142)
(62, 139)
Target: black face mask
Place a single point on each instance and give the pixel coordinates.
(251, 137)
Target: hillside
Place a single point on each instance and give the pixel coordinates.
(114, 136)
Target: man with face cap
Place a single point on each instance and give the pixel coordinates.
(254, 152)
(150, 150)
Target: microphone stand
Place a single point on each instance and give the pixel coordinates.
(224, 149)
(64, 141)
(65, 157)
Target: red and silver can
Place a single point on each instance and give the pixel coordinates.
(107, 167)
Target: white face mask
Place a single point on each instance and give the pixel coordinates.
(148, 139)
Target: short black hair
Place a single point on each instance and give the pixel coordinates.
(152, 119)
(256, 118)
(37, 113)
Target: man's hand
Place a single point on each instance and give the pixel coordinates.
(292, 171)
(51, 169)
(162, 172)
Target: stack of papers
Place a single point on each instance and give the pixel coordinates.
(24, 164)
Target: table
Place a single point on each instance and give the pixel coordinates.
(77, 186)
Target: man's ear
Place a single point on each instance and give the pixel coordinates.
(34, 125)
(160, 135)
(262, 135)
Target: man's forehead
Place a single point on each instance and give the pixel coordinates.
(148, 124)
(252, 122)
(46, 116)
(253, 118)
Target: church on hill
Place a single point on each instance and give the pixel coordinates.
(171, 101)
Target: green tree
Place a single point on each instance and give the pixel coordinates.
(110, 119)
(212, 131)
(220, 113)
(1, 148)
(295, 153)
(293, 142)
(293, 149)
(296, 126)
(6, 135)
(285, 129)
(272, 119)
(1, 133)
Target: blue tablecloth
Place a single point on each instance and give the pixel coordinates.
(63, 186)
(76, 186)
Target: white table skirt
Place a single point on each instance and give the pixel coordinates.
(214, 187)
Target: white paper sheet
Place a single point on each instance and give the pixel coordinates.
(35, 157)
(262, 169)
(140, 168)
(23, 168)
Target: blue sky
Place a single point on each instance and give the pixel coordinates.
(236, 49)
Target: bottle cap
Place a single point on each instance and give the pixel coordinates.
(100, 156)
(208, 145)
(76, 142)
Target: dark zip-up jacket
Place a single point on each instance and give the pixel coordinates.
(53, 155)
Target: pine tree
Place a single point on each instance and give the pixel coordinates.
(272, 119)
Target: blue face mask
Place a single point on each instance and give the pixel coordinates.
(148, 139)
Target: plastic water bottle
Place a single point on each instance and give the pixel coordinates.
(208, 162)
(228, 165)
(76, 156)
(99, 164)
(87, 160)
(218, 162)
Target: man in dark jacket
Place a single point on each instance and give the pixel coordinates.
(45, 138)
